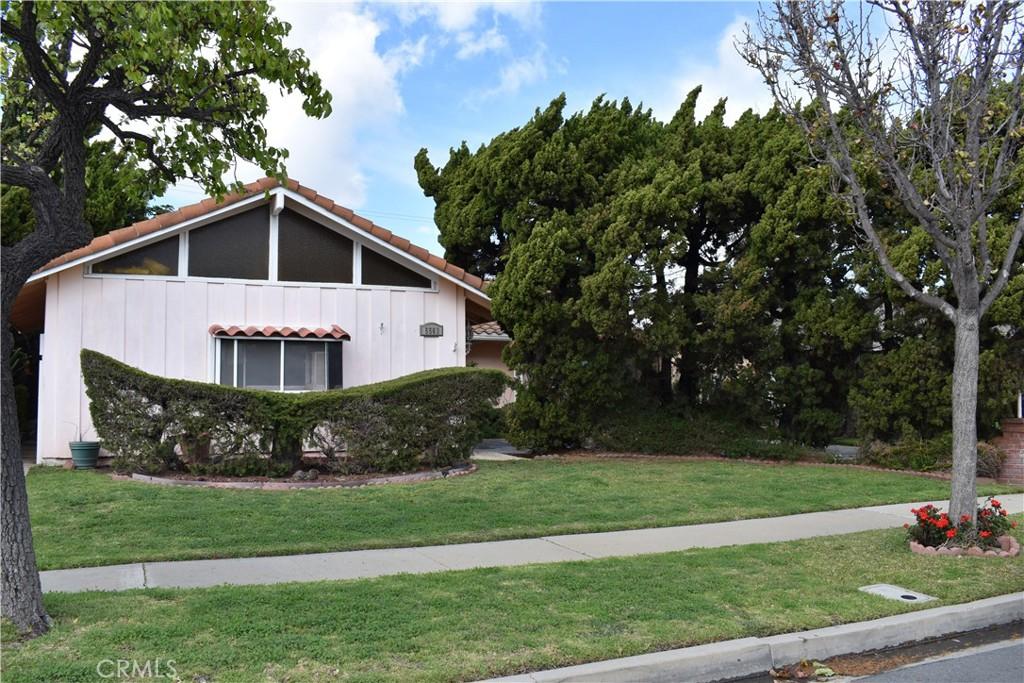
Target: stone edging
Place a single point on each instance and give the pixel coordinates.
(1009, 547)
(431, 475)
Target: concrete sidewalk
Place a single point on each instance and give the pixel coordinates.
(360, 564)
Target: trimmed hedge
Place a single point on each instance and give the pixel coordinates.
(151, 423)
(660, 431)
(927, 455)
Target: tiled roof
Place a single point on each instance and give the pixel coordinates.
(185, 213)
(335, 332)
(488, 329)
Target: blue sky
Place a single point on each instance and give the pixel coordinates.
(412, 75)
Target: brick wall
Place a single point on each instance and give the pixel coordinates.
(1012, 443)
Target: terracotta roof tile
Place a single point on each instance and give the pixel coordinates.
(339, 210)
(334, 332)
(165, 220)
(104, 242)
(361, 222)
(380, 232)
(488, 329)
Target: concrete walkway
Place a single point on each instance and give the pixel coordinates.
(360, 564)
(497, 450)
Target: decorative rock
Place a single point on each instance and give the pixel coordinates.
(1008, 547)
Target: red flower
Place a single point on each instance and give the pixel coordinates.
(1013, 525)
(986, 534)
(942, 523)
(996, 503)
(951, 533)
(906, 526)
(1002, 512)
(964, 518)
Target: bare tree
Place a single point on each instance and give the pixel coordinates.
(929, 94)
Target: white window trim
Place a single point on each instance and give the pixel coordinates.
(217, 341)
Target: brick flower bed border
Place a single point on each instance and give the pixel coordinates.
(1009, 547)
(414, 477)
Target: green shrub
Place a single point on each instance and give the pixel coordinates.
(660, 431)
(927, 455)
(150, 423)
(494, 422)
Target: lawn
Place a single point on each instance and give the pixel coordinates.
(472, 624)
(88, 519)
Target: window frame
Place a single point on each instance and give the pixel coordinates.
(218, 341)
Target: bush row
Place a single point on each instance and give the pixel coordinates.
(926, 455)
(660, 431)
(151, 423)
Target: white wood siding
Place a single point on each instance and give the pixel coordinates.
(162, 327)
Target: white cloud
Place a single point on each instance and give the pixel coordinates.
(454, 17)
(471, 45)
(518, 73)
(341, 43)
(727, 75)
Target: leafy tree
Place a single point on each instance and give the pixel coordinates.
(937, 104)
(178, 86)
(118, 193)
(787, 324)
(599, 229)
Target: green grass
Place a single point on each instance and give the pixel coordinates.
(88, 519)
(472, 624)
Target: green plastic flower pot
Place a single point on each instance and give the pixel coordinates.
(84, 454)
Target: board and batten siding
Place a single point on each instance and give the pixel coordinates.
(162, 326)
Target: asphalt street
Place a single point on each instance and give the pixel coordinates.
(995, 663)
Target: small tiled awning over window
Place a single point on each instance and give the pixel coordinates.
(333, 332)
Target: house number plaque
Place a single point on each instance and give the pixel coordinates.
(431, 330)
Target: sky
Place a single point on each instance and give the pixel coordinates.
(404, 76)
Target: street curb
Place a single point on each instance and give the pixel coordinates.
(750, 656)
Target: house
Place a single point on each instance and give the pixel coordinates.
(274, 288)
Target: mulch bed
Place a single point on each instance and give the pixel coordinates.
(322, 482)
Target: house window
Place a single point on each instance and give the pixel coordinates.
(309, 252)
(235, 247)
(279, 364)
(159, 258)
(380, 270)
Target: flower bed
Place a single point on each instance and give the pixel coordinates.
(935, 533)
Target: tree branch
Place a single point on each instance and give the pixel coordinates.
(996, 288)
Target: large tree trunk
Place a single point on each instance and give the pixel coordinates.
(22, 595)
(965, 403)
